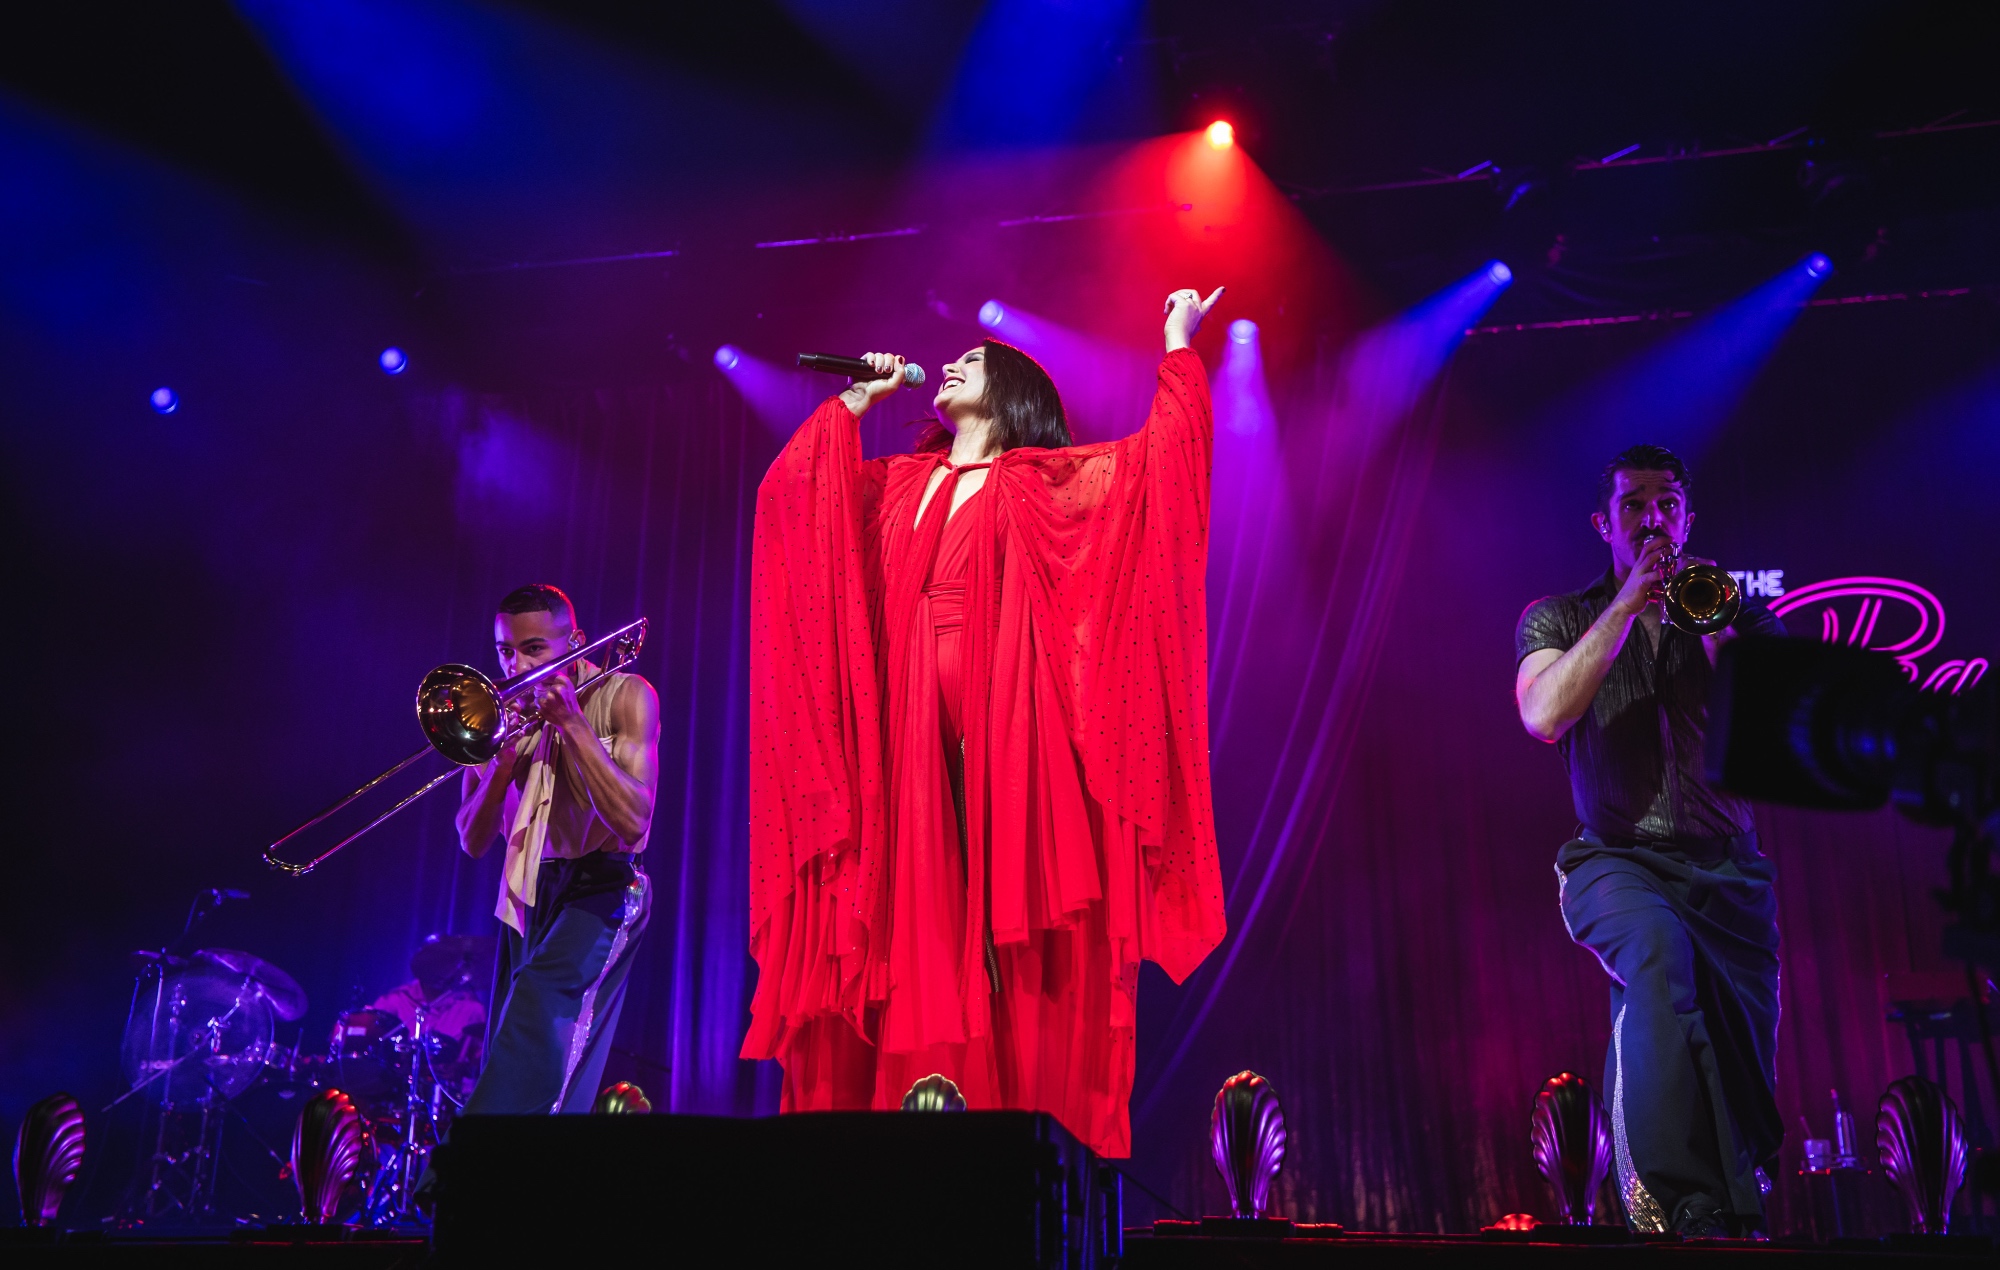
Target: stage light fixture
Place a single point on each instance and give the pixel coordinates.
(1499, 273)
(1221, 134)
(1243, 331)
(393, 361)
(1818, 266)
(727, 357)
(991, 315)
(165, 400)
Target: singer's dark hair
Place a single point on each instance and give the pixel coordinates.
(1021, 399)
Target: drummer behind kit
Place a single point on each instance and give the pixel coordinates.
(440, 1001)
(408, 1060)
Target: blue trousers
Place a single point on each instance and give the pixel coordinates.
(558, 988)
(1690, 940)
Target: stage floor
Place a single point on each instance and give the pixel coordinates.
(1144, 1250)
(246, 1248)
(373, 1250)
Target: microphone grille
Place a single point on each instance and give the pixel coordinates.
(913, 374)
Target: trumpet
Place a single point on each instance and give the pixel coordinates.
(1700, 599)
(467, 717)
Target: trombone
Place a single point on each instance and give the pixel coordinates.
(466, 717)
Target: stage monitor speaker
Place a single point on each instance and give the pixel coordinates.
(979, 1188)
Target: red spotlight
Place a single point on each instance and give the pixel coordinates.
(1221, 135)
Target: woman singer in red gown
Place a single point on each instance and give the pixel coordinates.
(979, 742)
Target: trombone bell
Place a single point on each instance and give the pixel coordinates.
(459, 710)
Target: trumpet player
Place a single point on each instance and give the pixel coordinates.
(570, 795)
(1663, 880)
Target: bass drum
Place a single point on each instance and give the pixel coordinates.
(364, 1056)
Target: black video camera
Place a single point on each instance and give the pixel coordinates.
(1811, 724)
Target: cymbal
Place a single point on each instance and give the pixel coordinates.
(288, 999)
(451, 961)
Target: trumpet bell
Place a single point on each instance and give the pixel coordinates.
(1703, 599)
(459, 710)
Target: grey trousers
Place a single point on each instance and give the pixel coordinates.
(558, 989)
(1690, 940)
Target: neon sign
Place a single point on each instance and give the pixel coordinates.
(1888, 615)
(1768, 583)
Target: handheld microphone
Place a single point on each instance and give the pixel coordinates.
(222, 893)
(855, 368)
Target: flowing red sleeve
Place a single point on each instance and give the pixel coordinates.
(816, 778)
(1118, 537)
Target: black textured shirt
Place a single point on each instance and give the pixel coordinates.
(1635, 757)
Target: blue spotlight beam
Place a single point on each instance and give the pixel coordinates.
(1679, 392)
(1030, 68)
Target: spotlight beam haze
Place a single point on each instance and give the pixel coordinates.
(1679, 391)
(1105, 387)
(780, 396)
(1273, 508)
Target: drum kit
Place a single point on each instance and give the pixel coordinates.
(201, 1034)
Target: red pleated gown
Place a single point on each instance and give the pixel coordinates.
(1036, 662)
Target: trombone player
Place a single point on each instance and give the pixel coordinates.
(1663, 880)
(570, 795)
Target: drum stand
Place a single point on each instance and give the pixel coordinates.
(181, 1173)
(391, 1191)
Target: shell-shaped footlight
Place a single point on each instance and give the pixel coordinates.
(623, 1098)
(1246, 1133)
(1922, 1144)
(48, 1154)
(326, 1153)
(934, 1092)
(1571, 1136)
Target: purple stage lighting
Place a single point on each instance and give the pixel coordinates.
(1818, 265)
(1242, 401)
(1105, 386)
(727, 357)
(165, 400)
(1499, 274)
(393, 361)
